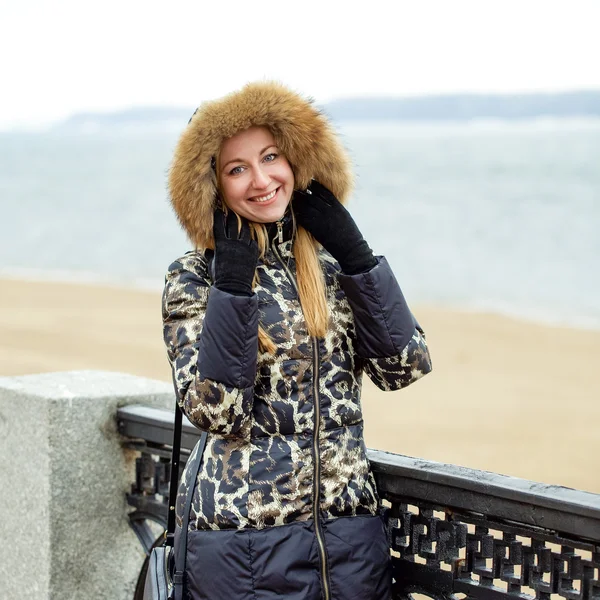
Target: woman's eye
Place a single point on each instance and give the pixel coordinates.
(270, 157)
(236, 170)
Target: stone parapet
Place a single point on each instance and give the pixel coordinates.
(63, 480)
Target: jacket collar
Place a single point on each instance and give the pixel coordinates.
(282, 230)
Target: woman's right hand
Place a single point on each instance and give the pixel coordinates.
(236, 254)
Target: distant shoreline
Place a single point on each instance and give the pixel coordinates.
(465, 107)
(449, 107)
(173, 128)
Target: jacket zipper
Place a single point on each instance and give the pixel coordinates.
(317, 470)
(317, 426)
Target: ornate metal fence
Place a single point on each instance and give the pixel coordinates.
(454, 532)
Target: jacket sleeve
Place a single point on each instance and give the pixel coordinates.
(212, 345)
(389, 339)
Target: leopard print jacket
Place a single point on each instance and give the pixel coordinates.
(295, 420)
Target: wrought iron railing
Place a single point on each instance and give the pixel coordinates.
(454, 532)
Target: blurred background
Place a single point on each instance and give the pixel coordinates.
(474, 128)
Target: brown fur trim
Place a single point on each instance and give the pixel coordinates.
(301, 132)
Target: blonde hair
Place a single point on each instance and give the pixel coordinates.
(310, 281)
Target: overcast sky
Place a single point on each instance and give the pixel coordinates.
(64, 56)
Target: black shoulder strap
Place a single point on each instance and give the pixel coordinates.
(175, 455)
(181, 547)
(193, 468)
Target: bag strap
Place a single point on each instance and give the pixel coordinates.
(181, 546)
(180, 549)
(175, 457)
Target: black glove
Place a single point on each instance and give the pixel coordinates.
(324, 216)
(236, 254)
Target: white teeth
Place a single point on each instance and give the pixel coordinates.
(265, 198)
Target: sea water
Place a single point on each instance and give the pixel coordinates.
(488, 216)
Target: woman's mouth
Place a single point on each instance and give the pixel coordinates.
(266, 199)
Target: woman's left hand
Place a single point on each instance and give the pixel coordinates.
(325, 218)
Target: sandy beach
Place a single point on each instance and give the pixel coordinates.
(505, 395)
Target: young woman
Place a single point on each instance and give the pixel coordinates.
(269, 325)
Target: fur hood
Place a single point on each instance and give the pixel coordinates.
(302, 133)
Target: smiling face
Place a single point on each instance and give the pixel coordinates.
(256, 180)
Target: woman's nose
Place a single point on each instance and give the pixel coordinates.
(261, 179)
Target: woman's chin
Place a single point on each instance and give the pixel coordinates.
(269, 214)
(270, 218)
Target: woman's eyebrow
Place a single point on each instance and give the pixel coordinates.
(241, 160)
(267, 147)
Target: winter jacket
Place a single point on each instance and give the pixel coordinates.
(285, 505)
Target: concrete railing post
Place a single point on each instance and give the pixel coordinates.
(63, 479)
